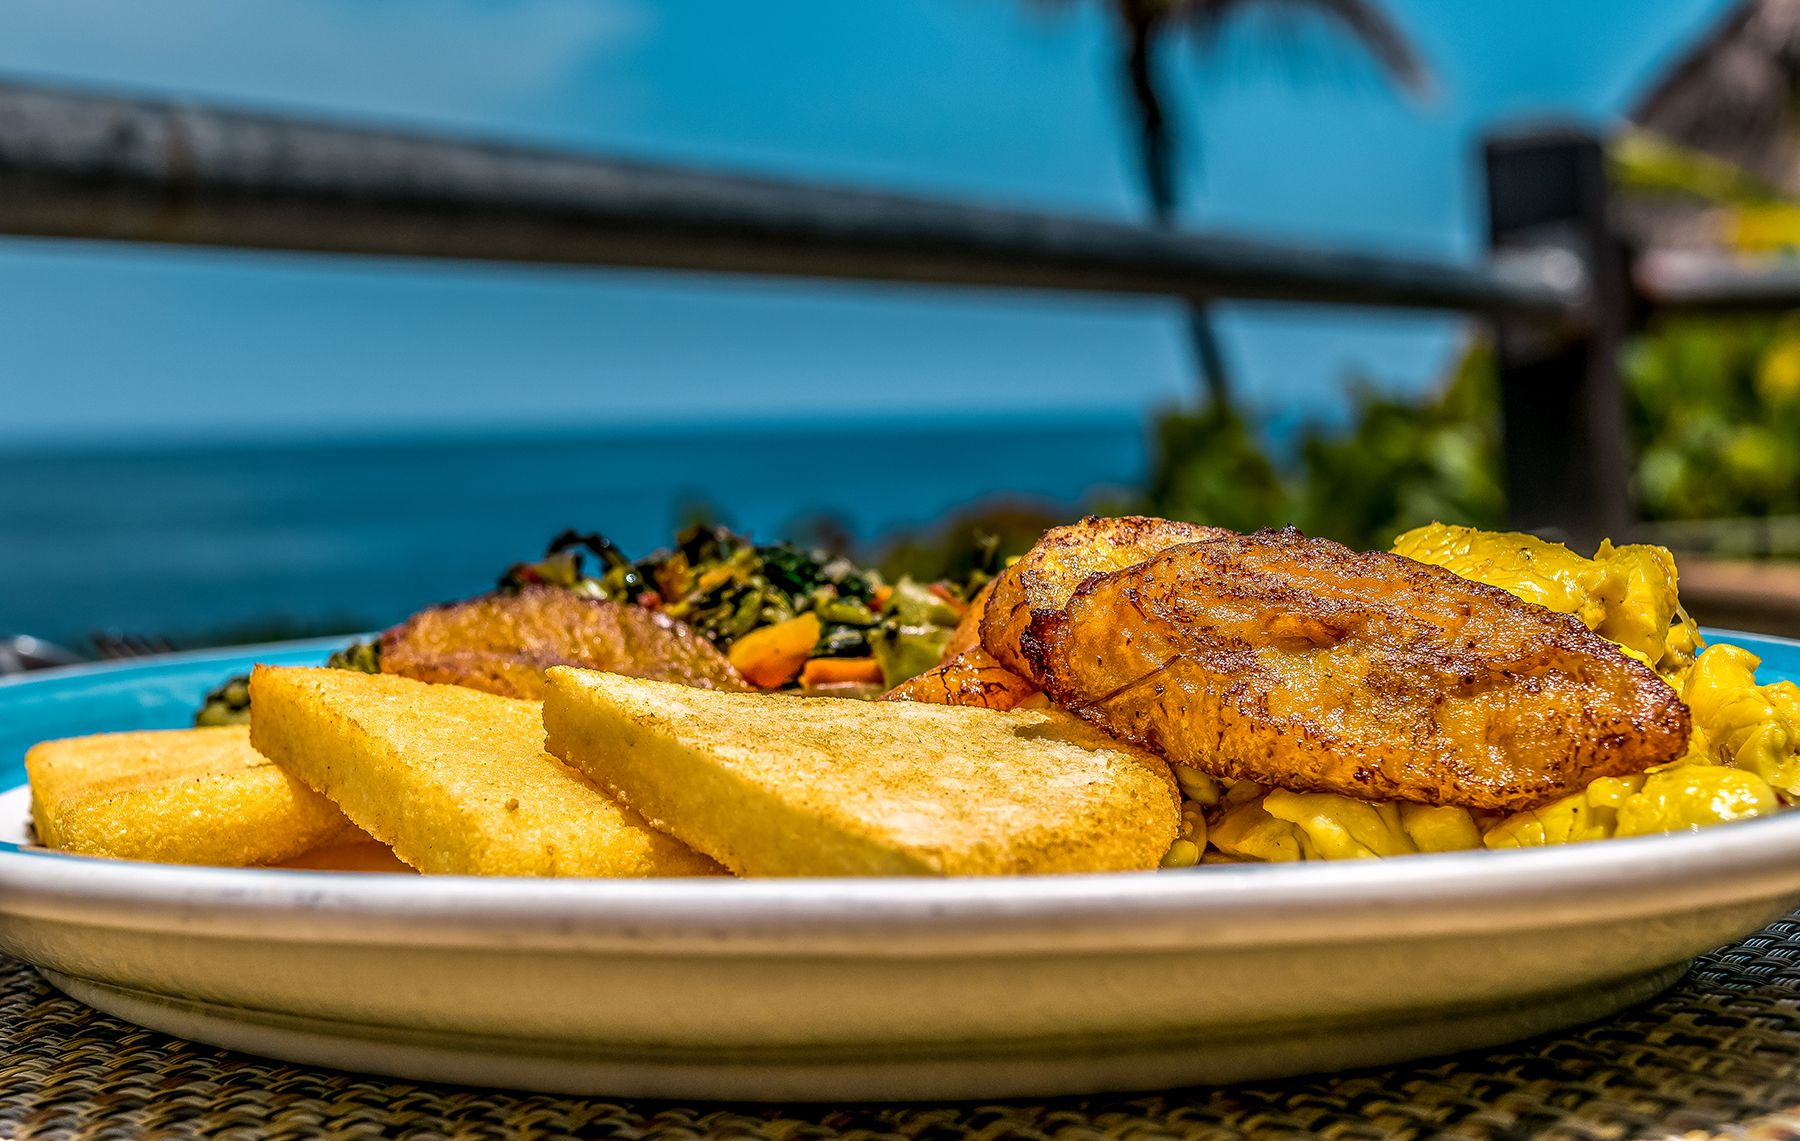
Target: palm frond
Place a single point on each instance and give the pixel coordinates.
(1143, 26)
(1362, 22)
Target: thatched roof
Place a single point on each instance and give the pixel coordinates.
(1734, 95)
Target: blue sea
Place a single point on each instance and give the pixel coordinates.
(199, 541)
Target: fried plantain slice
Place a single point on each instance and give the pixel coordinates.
(1042, 581)
(967, 635)
(503, 643)
(972, 677)
(1300, 663)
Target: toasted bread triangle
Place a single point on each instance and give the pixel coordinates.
(769, 784)
(456, 780)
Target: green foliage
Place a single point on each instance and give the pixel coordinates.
(1713, 405)
(1641, 162)
(1210, 468)
(1399, 464)
(969, 547)
(1715, 415)
(1405, 463)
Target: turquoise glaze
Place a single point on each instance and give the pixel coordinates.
(164, 692)
(157, 693)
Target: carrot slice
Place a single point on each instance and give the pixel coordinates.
(840, 671)
(770, 657)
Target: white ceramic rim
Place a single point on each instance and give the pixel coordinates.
(1224, 905)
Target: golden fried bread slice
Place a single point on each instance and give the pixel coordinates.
(777, 785)
(176, 796)
(503, 643)
(1300, 663)
(455, 780)
(1044, 578)
(972, 677)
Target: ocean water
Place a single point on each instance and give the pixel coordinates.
(197, 541)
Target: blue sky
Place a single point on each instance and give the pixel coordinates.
(1007, 102)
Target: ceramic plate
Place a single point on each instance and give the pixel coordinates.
(842, 989)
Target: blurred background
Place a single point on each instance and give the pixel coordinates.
(205, 446)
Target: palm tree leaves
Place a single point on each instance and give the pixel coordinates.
(1358, 21)
(1144, 26)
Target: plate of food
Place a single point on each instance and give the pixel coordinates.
(1152, 805)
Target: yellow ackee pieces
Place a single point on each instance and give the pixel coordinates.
(1625, 594)
(1741, 755)
(1242, 829)
(1675, 798)
(1751, 727)
(1276, 825)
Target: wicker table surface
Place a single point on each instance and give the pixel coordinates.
(1719, 1055)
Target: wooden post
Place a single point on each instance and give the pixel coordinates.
(1567, 453)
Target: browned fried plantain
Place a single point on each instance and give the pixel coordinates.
(1042, 581)
(503, 643)
(972, 677)
(967, 635)
(1300, 663)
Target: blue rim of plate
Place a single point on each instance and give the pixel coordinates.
(161, 693)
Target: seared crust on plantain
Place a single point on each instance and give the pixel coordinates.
(503, 643)
(1042, 581)
(972, 677)
(1300, 663)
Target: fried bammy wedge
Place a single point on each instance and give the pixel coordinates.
(1300, 663)
(456, 780)
(776, 785)
(176, 796)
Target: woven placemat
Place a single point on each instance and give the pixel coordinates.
(1717, 1056)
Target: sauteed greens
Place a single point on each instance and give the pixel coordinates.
(789, 617)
